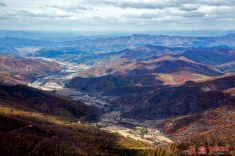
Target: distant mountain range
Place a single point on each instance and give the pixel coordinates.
(211, 55)
(128, 41)
(136, 40)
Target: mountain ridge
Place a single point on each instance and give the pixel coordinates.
(135, 39)
(25, 69)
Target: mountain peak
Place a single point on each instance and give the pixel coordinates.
(230, 35)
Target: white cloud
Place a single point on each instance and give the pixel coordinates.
(62, 13)
(69, 8)
(216, 9)
(2, 4)
(34, 14)
(120, 14)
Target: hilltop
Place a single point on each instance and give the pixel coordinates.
(15, 69)
(125, 72)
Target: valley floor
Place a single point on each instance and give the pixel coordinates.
(110, 120)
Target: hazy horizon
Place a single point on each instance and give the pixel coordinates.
(43, 34)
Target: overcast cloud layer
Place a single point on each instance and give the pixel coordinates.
(122, 15)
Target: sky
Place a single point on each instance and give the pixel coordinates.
(117, 15)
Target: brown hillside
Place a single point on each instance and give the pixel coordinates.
(169, 101)
(36, 123)
(25, 69)
(163, 65)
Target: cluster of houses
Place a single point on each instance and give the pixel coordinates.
(138, 84)
(89, 97)
(52, 84)
(118, 117)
